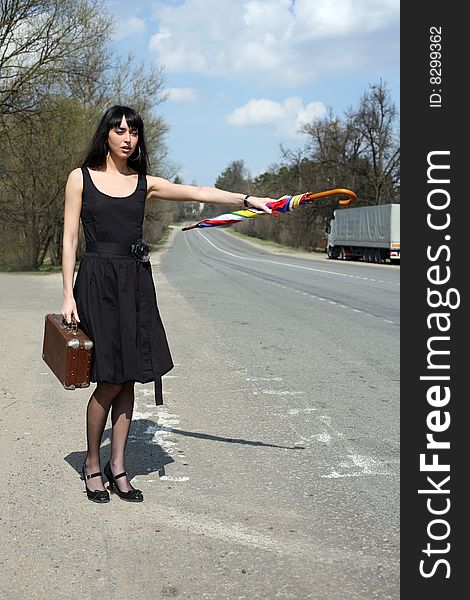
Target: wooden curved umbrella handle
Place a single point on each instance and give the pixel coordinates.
(343, 191)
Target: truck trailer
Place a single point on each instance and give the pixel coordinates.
(369, 233)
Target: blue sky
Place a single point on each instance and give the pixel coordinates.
(242, 75)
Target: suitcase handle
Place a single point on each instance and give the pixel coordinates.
(72, 325)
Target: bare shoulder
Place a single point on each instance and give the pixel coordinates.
(73, 204)
(75, 180)
(154, 184)
(74, 190)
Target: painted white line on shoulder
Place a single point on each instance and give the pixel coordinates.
(274, 262)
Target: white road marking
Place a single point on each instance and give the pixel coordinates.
(279, 393)
(161, 434)
(295, 544)
(273, 262)
(354, 465)
(324, 438)
(344, 306)
(351, 463)
(297, 411)
(361, 466)
(263, 378)
(145, 391)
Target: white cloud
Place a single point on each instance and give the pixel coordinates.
(291, 42)
(285, 118)
(126, 27)
(181, 94)
(255, 112)
(331, 18)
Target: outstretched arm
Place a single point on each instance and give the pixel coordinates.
(157, 187)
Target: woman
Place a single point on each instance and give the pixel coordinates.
(113, 298)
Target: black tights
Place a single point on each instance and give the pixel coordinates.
(120, 398)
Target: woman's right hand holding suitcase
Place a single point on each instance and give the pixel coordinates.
(68, 308)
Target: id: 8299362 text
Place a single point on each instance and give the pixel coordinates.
(435, 67)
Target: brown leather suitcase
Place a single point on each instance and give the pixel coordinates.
(67, 350)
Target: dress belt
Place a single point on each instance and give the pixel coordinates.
(109, 247)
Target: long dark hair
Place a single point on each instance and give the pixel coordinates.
(98, 149)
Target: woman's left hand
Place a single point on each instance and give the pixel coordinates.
(255, 202)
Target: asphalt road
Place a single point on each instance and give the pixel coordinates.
(271, 471)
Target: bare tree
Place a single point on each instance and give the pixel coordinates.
(334, 149)
(296, 158)
(374, 126)
(235, 178)
(44, 45)
(38, 155)
(141, 86)
(57, 75)
(362, 152)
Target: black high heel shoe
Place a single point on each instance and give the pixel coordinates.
(100, 496)
(133, 495)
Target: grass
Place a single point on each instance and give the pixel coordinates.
(47, 267)
(271, 244)
(162, 241)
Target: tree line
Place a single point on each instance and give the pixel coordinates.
(360, 151)
(58, 74)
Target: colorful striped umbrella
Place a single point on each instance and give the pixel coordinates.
(284, 204)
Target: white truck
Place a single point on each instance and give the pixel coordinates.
(370, 233)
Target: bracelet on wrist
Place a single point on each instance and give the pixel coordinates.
(245, 200)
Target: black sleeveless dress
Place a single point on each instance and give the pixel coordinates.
(115, 293)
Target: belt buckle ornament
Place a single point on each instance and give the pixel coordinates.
(140, 250)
